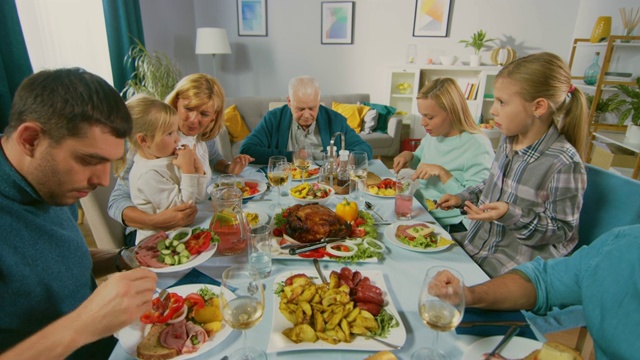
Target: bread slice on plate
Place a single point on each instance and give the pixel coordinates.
(382, 355)
(150, 347)
(554, 351)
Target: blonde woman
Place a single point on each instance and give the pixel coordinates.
(199, 102)
(454, 154)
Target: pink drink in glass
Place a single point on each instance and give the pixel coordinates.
(403, 206)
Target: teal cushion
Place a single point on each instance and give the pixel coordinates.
(384, 113)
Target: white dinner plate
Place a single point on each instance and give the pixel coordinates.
(390, 234)
(280, 254)
(516, 348)
(311, 177)
(279, 343)
(262, 187)
(380, 196)
(131, 335)
(263, 218)
(195, 261)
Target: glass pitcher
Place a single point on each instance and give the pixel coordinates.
(229, 221)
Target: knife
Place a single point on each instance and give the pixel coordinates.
(313, 246)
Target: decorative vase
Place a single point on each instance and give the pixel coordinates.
(633, 134)
(592, 71)
(601, 29)
(410, 56)
(474, 60)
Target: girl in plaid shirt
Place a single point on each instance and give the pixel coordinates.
(530, 203)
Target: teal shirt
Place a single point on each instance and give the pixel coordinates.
(466, 156)
(271, 136)
(604, 278)
(45, 265)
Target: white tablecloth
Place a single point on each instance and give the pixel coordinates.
(403, 272)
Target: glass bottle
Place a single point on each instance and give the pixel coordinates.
(592, 71)
(343, 170)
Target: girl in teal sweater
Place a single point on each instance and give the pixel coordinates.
(453, 155)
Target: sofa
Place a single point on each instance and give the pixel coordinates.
(252, 110)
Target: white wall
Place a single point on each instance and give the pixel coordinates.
(262, 66)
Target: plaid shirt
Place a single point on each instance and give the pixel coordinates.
(543, 185)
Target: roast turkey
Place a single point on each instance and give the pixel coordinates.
(313, 222)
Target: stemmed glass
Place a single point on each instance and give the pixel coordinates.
(441, 306)
(302, 158)
(278, 175)
(242, 306)
(358, 168)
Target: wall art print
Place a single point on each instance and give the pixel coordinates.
(252, 17)
(337, 22)
(432, 18)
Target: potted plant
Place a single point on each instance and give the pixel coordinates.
(478, 42)
(154, 74)
(633, 110)
(612, 104)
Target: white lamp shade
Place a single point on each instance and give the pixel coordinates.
(212, 41)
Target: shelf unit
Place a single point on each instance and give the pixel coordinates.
(621, 53)
(483, 76)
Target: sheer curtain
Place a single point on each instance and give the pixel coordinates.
(14, 58)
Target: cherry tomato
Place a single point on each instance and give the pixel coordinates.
(194, 300)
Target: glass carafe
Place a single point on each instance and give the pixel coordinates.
(229, 221)
(592, 71)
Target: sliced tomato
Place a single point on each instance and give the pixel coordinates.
(198, 242)
(194, 300)
(251, 184)
(359, 221)
(358, 232)
(314, 171)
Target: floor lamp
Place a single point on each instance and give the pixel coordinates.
(212, 41)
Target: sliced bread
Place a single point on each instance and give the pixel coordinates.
(150, 347)
(554, 351)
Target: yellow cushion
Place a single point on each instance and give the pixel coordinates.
(235, 124)
(353, 112)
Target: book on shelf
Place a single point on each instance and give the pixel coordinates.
(466, 90)
(473, 91)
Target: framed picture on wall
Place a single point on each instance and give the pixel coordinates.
(432, 18)
(337, 22)
(252, 17)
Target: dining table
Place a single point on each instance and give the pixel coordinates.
(403, 271)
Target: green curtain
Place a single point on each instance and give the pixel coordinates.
(124, 25)
(14, 58)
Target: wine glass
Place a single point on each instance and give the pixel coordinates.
(242, 306)
(441, 306)
(358, 168)
(302, 158)
(278, 175)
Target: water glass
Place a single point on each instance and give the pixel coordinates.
(226, 180)
(404, 200)
(260, 250)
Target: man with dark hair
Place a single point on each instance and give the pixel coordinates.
(65, 128)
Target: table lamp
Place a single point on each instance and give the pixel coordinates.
(212, 41)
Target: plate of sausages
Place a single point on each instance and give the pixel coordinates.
(369, 290)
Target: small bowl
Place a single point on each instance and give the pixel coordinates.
(448, 60)
(314, 201)
(182, 234)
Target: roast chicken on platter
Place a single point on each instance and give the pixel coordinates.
(313, 222)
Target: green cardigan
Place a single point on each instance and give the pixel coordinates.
(271, 136)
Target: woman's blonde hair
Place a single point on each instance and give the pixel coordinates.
(446, 93)
(198, 90)
(544, 75)
(151, 118)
